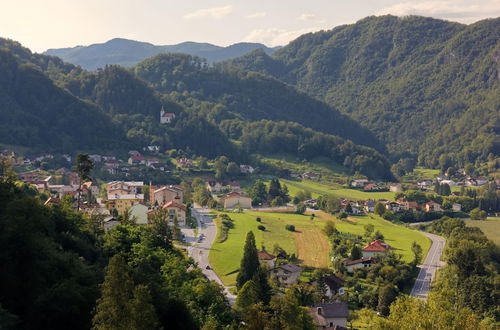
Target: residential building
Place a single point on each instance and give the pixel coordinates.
(234, 185)
(456, 207)
(330, 315)
(371, 187)
(235, 199)
(375, 248)
(124, 187)
(369, 206)
(334, 286)
(246, 169)
(184, 163)
(122, 202)
(215, 187)
(395, 187)
(266, 259)
(140, 213)
(136, 160)
(359, 183)
(110, 223)
(286, 274)
(159, 195)
(432, 206)
(364, 262)
(309, 176)
(89, 185)
(411, 206)
(175, 210)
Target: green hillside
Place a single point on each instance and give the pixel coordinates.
(424, 86)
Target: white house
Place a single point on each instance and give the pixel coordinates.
(246, 169)
(266, 259)
(456, 207)
(359, 182)
(364, 262)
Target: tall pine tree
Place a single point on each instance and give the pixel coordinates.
(249, 262)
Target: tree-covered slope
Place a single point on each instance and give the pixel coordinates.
(129, 52)
(424, 86)
(247, 95)
(35, 113)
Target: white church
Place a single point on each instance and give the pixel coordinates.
(166, 117)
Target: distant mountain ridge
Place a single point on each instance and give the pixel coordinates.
(127, 52)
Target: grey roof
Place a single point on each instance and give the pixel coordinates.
(337, 309)
(290, 268)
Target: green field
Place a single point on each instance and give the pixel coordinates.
(490, 227)
(308, 243)
(421, 173)
(320, 188)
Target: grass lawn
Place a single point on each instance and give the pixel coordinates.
(317, 189)
(490, 227)
(308, 242)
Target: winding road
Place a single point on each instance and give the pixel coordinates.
(428, 269)
(200, 247)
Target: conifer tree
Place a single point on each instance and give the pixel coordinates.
(143, 313)
(247, 295)
(113, 310)
(249, 263)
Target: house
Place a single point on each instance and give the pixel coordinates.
(235, 185)
(136, 160)
(375, 248)
(334, 286)
(411, 206)
(139, 212)
(134, 153)
(286, 274)
(266, 259)
(166, 117)
(359, 183)
(364, 262)
(311, 203)
(175, 210)
(370, 206)
(89, 185)
(52, 200)
(395, 187)
(425, 183)
(330, 315)
(62, 190)
(122, 202)
(110, 222)
(456, 207)
(481, 181)
(184, 163)
(449, 182)
(159, 195)
(432, 206)
(150, 161)
(124, 187)
(246, 169)
(394, 206)
(95, 158)
(371, 187)
(157, 166)
(235, 199)
(309, 176)
(154, 149)
(108, 158)
(215, 187)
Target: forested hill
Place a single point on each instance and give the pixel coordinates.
(129, 52)
(35, 113)
(249, 96)
(424, 86)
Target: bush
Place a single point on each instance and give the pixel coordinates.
(290, 227)
(258, 219)
(261, 227)
(343, 215)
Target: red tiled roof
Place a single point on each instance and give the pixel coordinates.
(52, 200)
(174, 204)
(376, 246)
(168, 114)
(264, 255)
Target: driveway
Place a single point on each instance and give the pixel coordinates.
(201, 244)
(428, 269)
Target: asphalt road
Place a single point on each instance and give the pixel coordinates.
(201, 244)
(428, 269)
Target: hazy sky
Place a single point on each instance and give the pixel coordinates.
(43, 24)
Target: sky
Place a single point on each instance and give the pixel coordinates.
(43, 24)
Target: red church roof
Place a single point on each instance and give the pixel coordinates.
(376, 246)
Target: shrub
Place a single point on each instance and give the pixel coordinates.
(261, 227)
(258, 219)
(343, 215)
(290, 227)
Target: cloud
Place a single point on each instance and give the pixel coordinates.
(465, 13)
(215, 13)
(276, 37)
(307, 17)
(259, 14)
